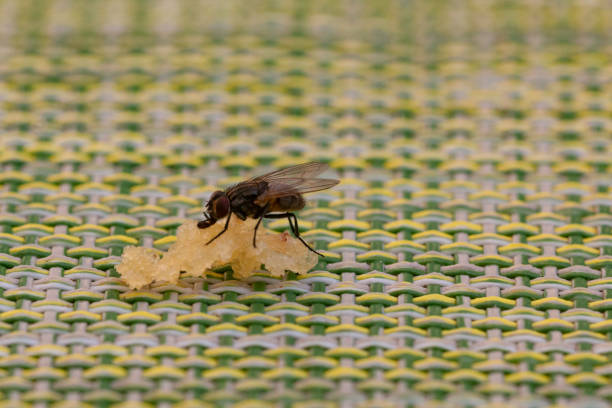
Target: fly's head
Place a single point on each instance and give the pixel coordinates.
(217, 207)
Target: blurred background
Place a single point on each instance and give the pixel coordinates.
(467, 249)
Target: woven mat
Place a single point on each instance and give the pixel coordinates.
(468, 248)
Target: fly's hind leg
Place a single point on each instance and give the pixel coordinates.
(224, 228)
(296, 231)
(293, 224)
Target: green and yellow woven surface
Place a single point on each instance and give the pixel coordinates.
(468, 249)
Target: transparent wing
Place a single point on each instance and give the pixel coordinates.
(292, 186)
(295, 179)
(300, 171)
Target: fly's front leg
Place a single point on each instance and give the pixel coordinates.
(224, 228)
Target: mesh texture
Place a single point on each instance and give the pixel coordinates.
(468, 248)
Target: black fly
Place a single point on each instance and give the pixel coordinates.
(273, 195)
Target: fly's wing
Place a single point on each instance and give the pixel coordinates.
(292, 186)
(282, 182)
(296, 179)
(305, 170)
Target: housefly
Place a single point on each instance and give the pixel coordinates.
(272, 195)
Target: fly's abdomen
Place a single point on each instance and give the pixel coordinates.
(292, 202)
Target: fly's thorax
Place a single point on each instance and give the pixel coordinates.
(246, 206)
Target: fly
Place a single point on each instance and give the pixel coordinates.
(273, 195)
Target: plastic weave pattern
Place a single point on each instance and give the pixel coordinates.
(468, 248)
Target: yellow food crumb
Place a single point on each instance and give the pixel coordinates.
(278, 252)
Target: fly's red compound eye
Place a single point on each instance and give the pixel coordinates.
(222, 205)
(215, 195)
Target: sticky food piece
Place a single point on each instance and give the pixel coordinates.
(189, 254)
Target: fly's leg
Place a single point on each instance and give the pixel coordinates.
(255, 231)
(291, 217)
(224, 229)
(296, 231)
(257, 225)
